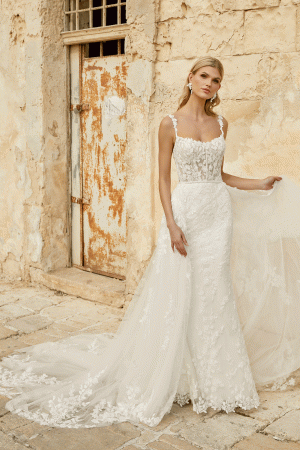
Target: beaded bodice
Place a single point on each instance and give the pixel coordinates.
(196, 160)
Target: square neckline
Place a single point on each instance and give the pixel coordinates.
(220, 120)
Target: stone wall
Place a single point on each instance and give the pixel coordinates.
(33, 138)
(258, 43)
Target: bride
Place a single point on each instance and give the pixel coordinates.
(216, 314)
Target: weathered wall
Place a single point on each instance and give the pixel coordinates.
(140, 51)
(33, 138)
(258, 43)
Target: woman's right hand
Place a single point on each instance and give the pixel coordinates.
(177, 239)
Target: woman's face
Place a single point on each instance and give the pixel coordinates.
(205, 82)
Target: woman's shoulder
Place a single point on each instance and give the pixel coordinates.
(167, 122)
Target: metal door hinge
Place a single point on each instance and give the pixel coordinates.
(81, 201)
(80, 107)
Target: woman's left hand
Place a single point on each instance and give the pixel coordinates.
(267, 183)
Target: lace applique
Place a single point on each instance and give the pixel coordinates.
(196, 160)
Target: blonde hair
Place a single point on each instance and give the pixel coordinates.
(202, 62)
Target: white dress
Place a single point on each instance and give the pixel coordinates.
(207, 327)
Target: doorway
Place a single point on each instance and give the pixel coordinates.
(98, 150)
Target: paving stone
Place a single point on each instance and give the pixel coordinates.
(37, 337)
(6, 298)
(220, 431)
(3, 401)
(109, 326)
(160, 446)
(36, 303)
(273, 405)
(146, 437)
(186, 413)
(12, 421)
(83, 439)
(29, 324)
(28, 292)
(13, 310)
(9, 345)
(176, 443)
(259, 441)
(58, 312)
(29, 431)
(6, 332)
(165, 422)
(131, 447)
(7, 443)
(287, 427)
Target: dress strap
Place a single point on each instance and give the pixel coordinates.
(174, 122)
(220, 120)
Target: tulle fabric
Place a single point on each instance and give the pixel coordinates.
(265, 265)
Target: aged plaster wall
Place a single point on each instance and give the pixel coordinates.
(258, 43)
(140, 51)
(33, 138)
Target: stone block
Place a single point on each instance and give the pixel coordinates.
(58, 312)
(7, 443)
(9, 345)
(259, 441)
(273, 405)
(221, 431)
(197, 36)
(29, 324)
(6, 297)
(176, 443)
(6, 332)
(106, 438)
(38, 337)
(3, 401)
(11, 421)
(270, 30)
(12, 310)
(287, 427)
(187, 414)
(36, 303)
(232, 5)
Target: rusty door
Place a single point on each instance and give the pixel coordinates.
(102, 162)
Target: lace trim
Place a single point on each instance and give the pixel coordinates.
(200, 405)
(174, 122)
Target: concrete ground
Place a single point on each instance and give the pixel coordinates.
(31, 314)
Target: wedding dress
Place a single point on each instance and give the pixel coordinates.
(209, 327)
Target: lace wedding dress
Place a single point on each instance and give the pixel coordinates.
(210, 327)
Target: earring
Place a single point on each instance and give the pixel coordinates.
(190, 86)
(214, 96)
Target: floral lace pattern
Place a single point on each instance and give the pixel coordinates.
(197, 160)
(184, 337)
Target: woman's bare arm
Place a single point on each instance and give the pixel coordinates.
(166, 143)
(246, 183)
(166, 140)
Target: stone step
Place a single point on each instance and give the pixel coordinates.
(87, 285)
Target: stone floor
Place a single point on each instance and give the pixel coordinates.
(32, 314)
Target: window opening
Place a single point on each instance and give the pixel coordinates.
(83, 14)
(105, 48)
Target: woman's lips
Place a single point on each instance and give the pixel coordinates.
(206, 90)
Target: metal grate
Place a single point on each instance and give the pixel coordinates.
(105, 48)
(84, 14)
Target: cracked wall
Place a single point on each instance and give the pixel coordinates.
(33, 138)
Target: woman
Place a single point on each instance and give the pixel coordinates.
(181, 337)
